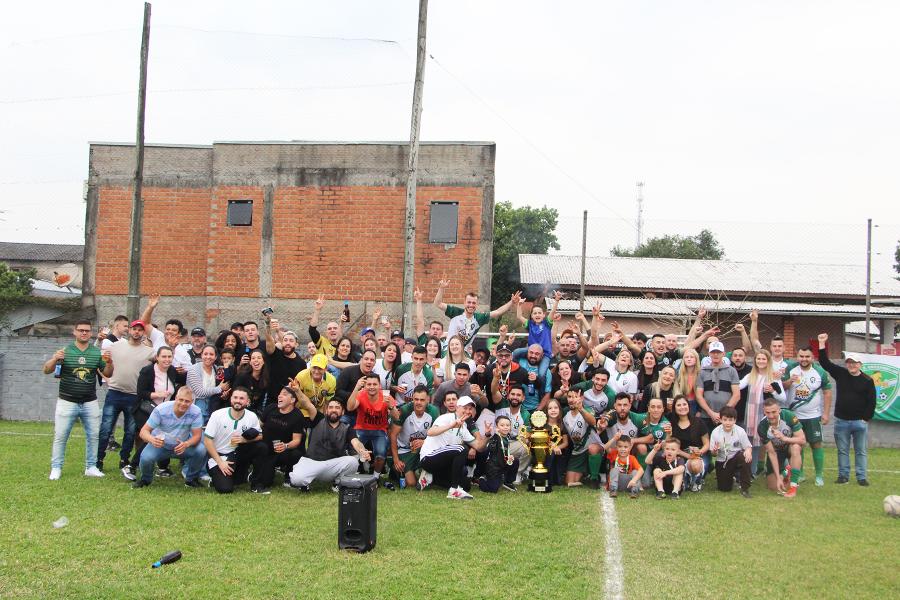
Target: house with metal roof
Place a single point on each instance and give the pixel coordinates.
(797, 301)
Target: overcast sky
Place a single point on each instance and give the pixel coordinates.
(775, 124)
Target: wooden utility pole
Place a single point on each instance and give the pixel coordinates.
(869, 289)
(409, 255)
(137, 205)
(583, 260)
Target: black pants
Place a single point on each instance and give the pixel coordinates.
(251, 453)
(448, 467)
(725, 473)
(284, 461)
(508, 476)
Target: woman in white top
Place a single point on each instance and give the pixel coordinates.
(763, 383)
(385, 367)
(433, 359)
(456, 354)
(203, 381)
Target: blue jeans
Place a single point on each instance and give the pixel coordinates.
(194, 458)
(379, 441)
(66, 415)
(844, 432)
(117, 402)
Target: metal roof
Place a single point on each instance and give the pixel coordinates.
(73, 253)
(655, 274)
(681, 307)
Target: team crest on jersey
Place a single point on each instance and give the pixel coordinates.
(82, 360)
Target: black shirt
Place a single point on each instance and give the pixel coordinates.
(282, 369)
(280, 426)
(855, 393)
(692, 436)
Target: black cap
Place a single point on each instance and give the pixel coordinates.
(237, 325)
(198, 331)
(396, 333)
(504, 347)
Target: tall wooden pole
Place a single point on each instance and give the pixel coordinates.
(137, 206)
(583, 260)
(409, 255)
(869, 287)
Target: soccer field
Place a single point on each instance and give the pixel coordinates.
(831, 542)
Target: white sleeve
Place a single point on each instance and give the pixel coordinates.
(745, 381)
(745, 441)
(181, 358)
(157, 339)
(466, 435)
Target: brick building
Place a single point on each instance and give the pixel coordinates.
(234, 226)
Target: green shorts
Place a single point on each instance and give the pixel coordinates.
(578, 463)
(812, 429)
(783, 457)
(410, 460)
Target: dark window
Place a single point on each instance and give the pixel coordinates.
(443, 222)
(240, 212)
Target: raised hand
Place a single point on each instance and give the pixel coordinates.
(444, 284)
(417, 296)
(320, 302)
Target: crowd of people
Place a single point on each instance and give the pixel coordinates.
(440, 408)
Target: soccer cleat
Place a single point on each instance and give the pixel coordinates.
(192, 483)
(510, 488)
(792, 492)
(425, 479)
(695, 487)
(455, 493)
(613, 494)
(93, 472)
(165, 472)
(260, 490)
(595, 484)
(55, 473)
(127, 473)
(675, 496)
(660, 495)
(820, 481)
(842, 480)
(140, 483)
(863, 482)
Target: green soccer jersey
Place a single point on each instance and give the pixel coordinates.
(788, 424)
(78, 380)
(461, 324)
(404, 376)
(805, 396)
(645, 427)
(596, 401)
(412, 426)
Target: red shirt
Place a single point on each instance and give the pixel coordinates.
(624, 465)
(372, 416)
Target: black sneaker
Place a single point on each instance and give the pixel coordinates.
(122, 462)
(260, 490)
(139, 484)
(301, 488)
(128, 473)
(660, 495)
(112, 446)
(746, 494)
(165, 473)
(863, 482)
(389, 485)
(842, 480)
(510, 487)
(193, 483)
(595, 484)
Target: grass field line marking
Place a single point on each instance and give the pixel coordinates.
(615, 576)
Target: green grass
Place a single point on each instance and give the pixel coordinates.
(827, 543)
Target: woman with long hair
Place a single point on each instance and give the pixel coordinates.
(387, 366)
(228, 340)
(647, 374)
(564, 378)
(694, 438)
(763, 383)
(206, 381)
(344, 356)
(255, 377)
(663, 388)
(456, 353)
(688, 374)
(433, 359)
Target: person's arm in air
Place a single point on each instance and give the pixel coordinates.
(500, 311)
(696, 328)
(746, 344)
(438, 301)
(519, 317)
(314, 334)
(420, 313)
(754, 330)
(271, 344)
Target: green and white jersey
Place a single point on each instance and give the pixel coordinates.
(805, 397)
(645, 427)
(461, 324)
(578, 429)
(788, 424)
(629, 427)
(405, 376)
(78, 379)
(620, 382)
(596, 401)
(523, 417)
(412, 426)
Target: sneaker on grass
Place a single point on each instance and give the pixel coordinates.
(192, 483)
(842, 480)
(140, 483)
(510, 488)
(93, 472)
(260, 490)
(791, 492)
(458, 493)
(164, 473)
(55, 474)
(128, 473)
(425, 479)
(206, 479)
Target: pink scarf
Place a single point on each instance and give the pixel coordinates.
(754, 410)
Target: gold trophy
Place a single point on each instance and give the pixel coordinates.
(541, 439)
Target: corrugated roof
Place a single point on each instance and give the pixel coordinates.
(654, 274)
(63, 253)
(679, 307)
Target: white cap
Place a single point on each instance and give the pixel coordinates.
(848, 356)
(717, 346)
(464, 400)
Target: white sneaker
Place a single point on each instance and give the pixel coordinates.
(205, 479)
(455, 494)
(425, 479)
(464, 494)
(55, 474)
(94, 472)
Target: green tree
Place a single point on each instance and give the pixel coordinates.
(523, 230)
(704, 245)
(15, 288)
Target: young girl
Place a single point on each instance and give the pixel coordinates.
(557, 458)
(763, 383)
(500, 466)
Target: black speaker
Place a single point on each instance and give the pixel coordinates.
(357, 512)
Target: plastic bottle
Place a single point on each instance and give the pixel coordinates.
(168, 558)
(347, 310)
(57, 370)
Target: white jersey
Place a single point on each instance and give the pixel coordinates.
(805, 397)
(453, 437)
(221, 427)
(414, 427)
(620, 382)
(579, 431)
(627, 428)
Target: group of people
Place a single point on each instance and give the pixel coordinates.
(438, 409)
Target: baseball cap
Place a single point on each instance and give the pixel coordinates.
(396, 333)
(504, 347)
(848, 356)
(717, 347)
(138, 323)
(412, 341)
(198, 331)
(464, 401)
(319, 360)
(365, 331)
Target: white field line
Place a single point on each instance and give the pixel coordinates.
(614, 584)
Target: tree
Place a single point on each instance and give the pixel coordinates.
(15, 288)
(523, 230)
(704, 245)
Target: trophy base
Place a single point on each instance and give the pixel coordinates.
(539, 482)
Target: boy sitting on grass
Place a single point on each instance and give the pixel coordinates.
(624, 469)
(668, 468)
(733, 451)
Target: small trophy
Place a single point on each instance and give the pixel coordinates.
(541, 439)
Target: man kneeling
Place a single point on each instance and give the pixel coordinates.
(326, 458)
(173, 430)
(234, 442)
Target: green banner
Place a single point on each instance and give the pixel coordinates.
(885, 371)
